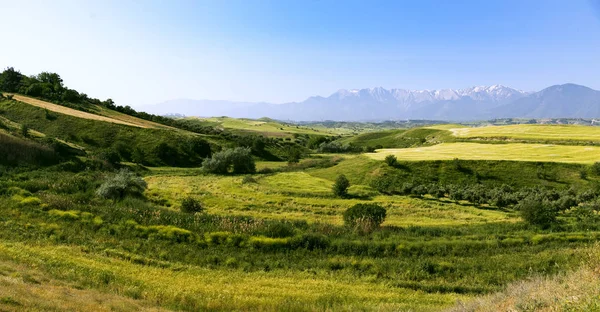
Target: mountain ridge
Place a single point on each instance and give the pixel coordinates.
(478, 102)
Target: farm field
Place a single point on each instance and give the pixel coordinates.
(512, 151)
(527, 132)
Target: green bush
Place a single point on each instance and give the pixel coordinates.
(124, 183)
(537, 211)
(391, 160)
(596, 168)
(239, 158)
(341, 185)
(364, 217)
(191, 205)
(248, 179)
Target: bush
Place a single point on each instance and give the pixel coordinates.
(364, 217)
(341, 185)
(191, 205)
(124, 183)
(596, 168)
(391, 160)
(537, 211)
(239, 158)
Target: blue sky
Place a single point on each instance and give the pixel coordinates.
(146, 52)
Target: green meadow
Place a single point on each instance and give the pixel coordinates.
(468, 223)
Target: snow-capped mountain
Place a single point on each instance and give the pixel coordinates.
(481, 102)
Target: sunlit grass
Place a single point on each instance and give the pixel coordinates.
(513, 151)
(195, 288)
(526, 131)
(300, 196)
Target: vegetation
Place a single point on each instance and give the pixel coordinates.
(124, 183)
(239, 160)
(365, 217)
(341, 185)
(191, 205)
(82, 218)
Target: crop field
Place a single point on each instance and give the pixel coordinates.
(528, 132)
(512, 151)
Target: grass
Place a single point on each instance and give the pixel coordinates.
(513, 151)
(300, 196)
(531, 132)
(266, 127)
(399, 138)
(113, 117)
(577, 290)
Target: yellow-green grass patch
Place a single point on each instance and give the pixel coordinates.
(512, 152)
(196, 288)
(530, 132)
(300, 196)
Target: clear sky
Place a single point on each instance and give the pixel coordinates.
(146, 52)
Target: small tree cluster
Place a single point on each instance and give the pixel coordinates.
(124, 183)
(238, 159)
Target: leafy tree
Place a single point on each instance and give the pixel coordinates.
(366, 216)
(391, 160)
(10, 80)
(341, 185)
(537, 211)
(124, 183)
(242, 160)
(239, 158)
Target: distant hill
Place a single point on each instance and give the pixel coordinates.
(476, 103)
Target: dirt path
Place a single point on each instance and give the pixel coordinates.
(74, 112)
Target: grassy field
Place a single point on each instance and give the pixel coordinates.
(105, 115)
(399, 138)
(513, 151)
(528, 132)
(266, 127)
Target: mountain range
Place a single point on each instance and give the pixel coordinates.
(372, 104)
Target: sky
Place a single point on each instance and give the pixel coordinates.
(147, 52)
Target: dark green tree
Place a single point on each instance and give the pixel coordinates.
(341, 185)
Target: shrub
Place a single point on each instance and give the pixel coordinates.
(596, 168)
(239, 158)
(191, 205)
(124, 183)
(24, 130)
(341, 185)
(391, 160)
(537, 211)
(364, 217)
(278, 230)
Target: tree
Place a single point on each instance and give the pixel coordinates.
(10, 79)
(341, 185)
(124, 183)
(391, 160)
(365, 217)
(239, 158)
(537, 211)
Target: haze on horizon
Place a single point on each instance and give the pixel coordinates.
(283, 51)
